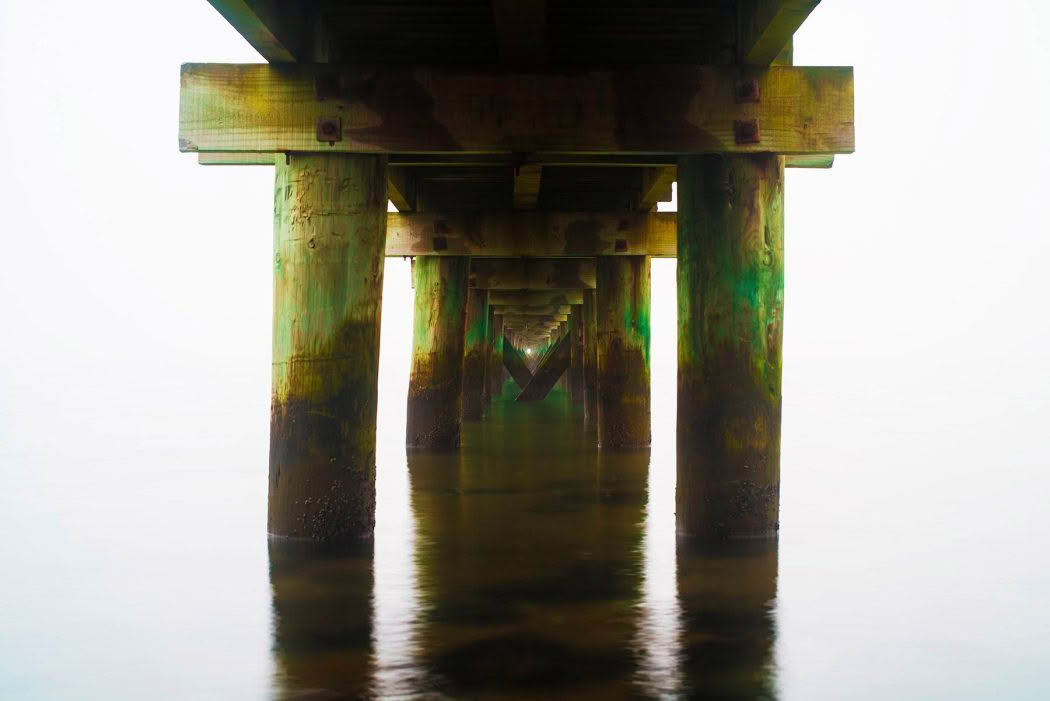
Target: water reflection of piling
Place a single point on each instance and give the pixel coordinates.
(528, 566)
(322, 618)
(727, 594)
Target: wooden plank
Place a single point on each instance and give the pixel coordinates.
(538, 297)
(527, 186)
(532, 273)
(534, 310)
(226, 158)
(401, 188)
(817, 161)
(268, 25)
(644, 109)
(472, 160)
(520, 26)
(656, 186)
(550, 370)
(538, 234)
(766, 28)
(517, 320)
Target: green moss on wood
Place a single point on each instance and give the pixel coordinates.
(329, 234)
(435, 383)
(730, 327)
(623, 335)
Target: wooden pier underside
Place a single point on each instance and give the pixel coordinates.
(526, 145)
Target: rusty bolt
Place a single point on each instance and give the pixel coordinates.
(746, 91)
(440, 243)
(330, 129)
(746, 131)
(310, 243)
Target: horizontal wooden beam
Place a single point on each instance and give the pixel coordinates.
(534, 298)
(265, 158)
(272, 28)
(642, 109)
(532, 273)
(766, 27)
(537, 234)
(656, 186)
(538, 310)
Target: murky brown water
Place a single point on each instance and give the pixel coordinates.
(527, 564)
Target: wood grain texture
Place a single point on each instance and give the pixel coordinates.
(767, 26)
(535, 234)
(532, 273)
(648, 109)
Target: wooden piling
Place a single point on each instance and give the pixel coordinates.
(475, 353)
(590, 357)
(435, 384)
(730, 328)
(577, 388)
(494, 377)
(329, 238)
(623, 351)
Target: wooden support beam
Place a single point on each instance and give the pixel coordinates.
(527, 186)
(656, 186)
(538, 297)
(549, 371)
(401, 188)
(473, 160)
(816, 161)
(539, 234)
(533, 310)
(641, 109)
(532, 273)
(520, 26)
(515, 364)
(765, 28)
(274, 29)
(529, 322)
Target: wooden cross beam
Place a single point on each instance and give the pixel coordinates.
(765, 27)
(642, 109)
(539, 234)
(534, 298)
(532, 310)
(470, 160)
(532, 273)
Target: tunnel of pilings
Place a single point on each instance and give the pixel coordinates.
(525, 147)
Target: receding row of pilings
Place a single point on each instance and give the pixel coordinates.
(329, 235)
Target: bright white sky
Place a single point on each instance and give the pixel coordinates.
(137, 284)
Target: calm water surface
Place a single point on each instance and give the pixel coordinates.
(529, 563)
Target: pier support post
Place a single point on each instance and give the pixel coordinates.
(475, 353)
(435, 384)
(590, 357)
(494, 375)
(329, 243)
(577, 388)
(623, 351)
(730, 328)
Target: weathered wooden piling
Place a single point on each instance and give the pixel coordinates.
(730, 328)
(475, 353)
(435, 384)
(623, 351)
(577, 388)
(590, 357)
(329, 238)
(494, 372)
